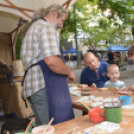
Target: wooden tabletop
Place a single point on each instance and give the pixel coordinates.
(126, 125)
(96, 93)
(11, 80)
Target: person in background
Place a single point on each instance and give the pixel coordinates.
(114, 55)
(131, 56)
(106, 57)
(119, 55)
(113, 73)
(103, 58)
(117, 59)
(126, 56)
(45, 82)
(95, 72)
(110, 57)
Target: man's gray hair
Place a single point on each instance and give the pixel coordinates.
(44, 12)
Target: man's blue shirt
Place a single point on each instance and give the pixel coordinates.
(88, 76)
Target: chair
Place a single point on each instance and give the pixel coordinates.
(129, 61)
(15, 124)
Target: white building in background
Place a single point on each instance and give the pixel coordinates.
(81, 47)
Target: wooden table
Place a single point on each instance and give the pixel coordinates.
(126, 125)
(77, 105)
(9, 80)
(105, 94)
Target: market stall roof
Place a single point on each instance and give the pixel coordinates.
(11, 11)
(13, 15)
(71, 50)
(117, 48)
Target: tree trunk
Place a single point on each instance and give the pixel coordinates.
(133, 27)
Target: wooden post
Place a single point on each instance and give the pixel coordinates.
(19, 9)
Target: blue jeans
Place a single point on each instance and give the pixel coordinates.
(38, 102)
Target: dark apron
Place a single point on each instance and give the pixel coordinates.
(58, 96)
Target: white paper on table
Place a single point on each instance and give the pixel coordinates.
(71, 89)
(107, 100)
(101, 106)
(115, 99)
(128, 107)
(77, 93)
(91, 97)
(84, 98)
(98, 99)
(74, 91)
(96, 104)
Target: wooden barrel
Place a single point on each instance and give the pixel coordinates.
(18, 70)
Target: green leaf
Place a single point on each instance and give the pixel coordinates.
(129, 4)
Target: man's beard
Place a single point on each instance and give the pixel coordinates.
(58, 26)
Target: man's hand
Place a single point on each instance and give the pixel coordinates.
(71, 77)
(93, 85)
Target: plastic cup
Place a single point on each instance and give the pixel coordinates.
(40, 129)
(125, 100)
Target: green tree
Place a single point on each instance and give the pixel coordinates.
(110, 28)
(124, 9)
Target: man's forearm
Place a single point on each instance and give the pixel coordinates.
(56, 65)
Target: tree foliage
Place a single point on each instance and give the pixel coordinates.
(109, 28)
(122, 9)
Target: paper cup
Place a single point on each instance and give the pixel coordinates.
(40, 129)
(22, 133)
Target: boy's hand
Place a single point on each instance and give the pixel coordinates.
(116, 88)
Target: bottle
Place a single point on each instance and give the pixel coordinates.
(2, 113)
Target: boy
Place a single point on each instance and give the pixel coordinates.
(113, 73)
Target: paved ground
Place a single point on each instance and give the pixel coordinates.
(127, 76)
